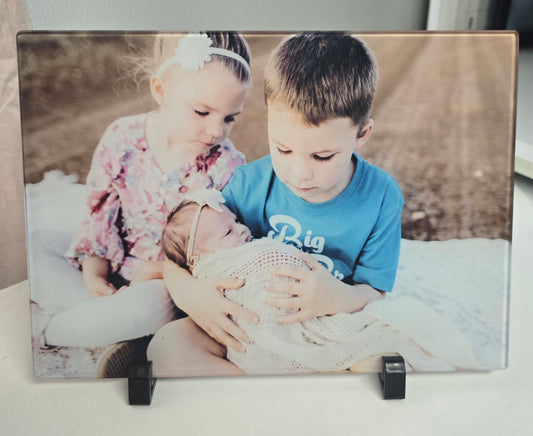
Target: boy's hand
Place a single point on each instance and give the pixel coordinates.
(149, 270)
(99, 287)
(316, 292)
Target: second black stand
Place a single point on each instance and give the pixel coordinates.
(392, 377)
(141, 384)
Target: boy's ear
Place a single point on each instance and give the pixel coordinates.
(157, 90)
(364, 134)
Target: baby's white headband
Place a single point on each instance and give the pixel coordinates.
(193, 51)
(203, 197)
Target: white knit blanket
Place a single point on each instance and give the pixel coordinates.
(404, 325)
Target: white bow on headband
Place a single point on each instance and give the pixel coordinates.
(194, 51)
(207, 197)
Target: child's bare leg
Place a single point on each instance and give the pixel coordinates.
(371, 363)
(368, 364)
(181, 348)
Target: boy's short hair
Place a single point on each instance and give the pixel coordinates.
(323, 76)
(175, 236)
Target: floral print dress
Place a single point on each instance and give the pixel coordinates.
(130, 196)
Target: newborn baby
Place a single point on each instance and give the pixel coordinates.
(204, 236)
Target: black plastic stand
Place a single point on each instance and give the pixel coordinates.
(392, 377)
(141, 383)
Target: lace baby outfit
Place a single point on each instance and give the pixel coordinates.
(329, 343)
(131, 196)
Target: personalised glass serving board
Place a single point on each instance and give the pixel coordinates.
(366, 202)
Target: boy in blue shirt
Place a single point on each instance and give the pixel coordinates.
(313, 191)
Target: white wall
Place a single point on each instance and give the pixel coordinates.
(13, 17)
(229, 15)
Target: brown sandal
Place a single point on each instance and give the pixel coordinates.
(115, 360)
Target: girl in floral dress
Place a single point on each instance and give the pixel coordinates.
(143, 167)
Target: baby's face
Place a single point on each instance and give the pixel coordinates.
(218, 231)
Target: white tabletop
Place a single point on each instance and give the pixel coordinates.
(493, 403)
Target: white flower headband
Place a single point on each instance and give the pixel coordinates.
(204, 197)
(194, 51)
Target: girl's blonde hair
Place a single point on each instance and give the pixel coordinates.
(164, 46)
(147, 53)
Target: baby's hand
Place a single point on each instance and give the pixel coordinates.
(312, 293)
(99, 287)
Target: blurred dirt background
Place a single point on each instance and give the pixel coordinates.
(443, 117)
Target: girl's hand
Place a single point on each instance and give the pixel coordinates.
(315, 292)
(95, 270)
(205, 303)
(211, 310)
(149, 270)
(99, 287)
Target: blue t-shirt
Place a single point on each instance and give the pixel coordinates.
(355, 235)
